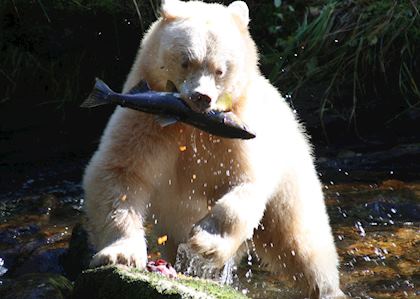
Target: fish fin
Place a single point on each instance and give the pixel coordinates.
(140, 87)
(165, 121)
(98, 96)
(170, 86)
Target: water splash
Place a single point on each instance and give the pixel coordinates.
(360, 228)
(191, 264)
(3, 269)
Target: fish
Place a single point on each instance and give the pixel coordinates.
(162, 267)
(169, 108)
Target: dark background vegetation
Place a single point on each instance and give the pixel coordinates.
(349, 68)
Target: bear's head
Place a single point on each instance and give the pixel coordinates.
(204, 49)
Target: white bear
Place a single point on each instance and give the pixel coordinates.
(214, 193)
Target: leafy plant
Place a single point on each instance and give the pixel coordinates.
(353, 50)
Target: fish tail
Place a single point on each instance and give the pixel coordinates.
(99, 95)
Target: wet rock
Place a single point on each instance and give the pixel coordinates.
(125, 283)
(398, 211)
(11, 236)
(34, 253)
(48, 204)
(77, 257)
(370, 164)
(36, 286)
(42, 261)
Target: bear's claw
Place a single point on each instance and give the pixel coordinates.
(122, 253)
(214, 247)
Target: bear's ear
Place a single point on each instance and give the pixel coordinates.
(240, 10)
(172, 9)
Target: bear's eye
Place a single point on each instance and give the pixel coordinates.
(185, 64)
(219, 72)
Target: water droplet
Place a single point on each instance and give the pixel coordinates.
(360, 228)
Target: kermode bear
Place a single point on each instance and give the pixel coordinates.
(210, 192)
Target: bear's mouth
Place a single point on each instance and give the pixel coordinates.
(171, 87)
(196, 104)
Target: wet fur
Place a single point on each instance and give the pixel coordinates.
(139, 171)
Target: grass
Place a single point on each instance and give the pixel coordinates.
(48, 59)
(358, 53)
(361, 47)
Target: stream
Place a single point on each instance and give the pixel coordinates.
(375, 220)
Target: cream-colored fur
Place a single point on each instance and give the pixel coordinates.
(209, 191)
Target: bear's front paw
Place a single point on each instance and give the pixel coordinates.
(123, 252)
(207, 239)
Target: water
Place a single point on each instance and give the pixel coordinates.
(376, 227)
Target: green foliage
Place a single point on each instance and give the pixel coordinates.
(55, 48)
(355, 54)
(353, 49)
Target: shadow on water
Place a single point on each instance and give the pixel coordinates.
(376, 226)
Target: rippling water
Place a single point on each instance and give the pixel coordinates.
(376, 227)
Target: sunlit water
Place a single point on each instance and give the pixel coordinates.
(376, 227)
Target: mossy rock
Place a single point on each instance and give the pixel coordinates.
(124, 283)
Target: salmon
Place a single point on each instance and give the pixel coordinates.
(169, 107)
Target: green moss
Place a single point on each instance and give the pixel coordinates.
(120, 282)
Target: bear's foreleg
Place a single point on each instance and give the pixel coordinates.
(230, 222)
(119, 182)
(295, 237)
(116, 224)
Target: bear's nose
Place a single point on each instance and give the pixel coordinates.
(201, 98)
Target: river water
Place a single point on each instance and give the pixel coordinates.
(376, 224)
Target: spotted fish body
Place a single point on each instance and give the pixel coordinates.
(169, 105)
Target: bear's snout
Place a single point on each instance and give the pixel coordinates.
(198, 101)
(201, 99)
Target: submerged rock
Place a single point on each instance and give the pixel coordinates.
(126, 283)
(36, 286)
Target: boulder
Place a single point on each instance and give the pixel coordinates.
(126, 283)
